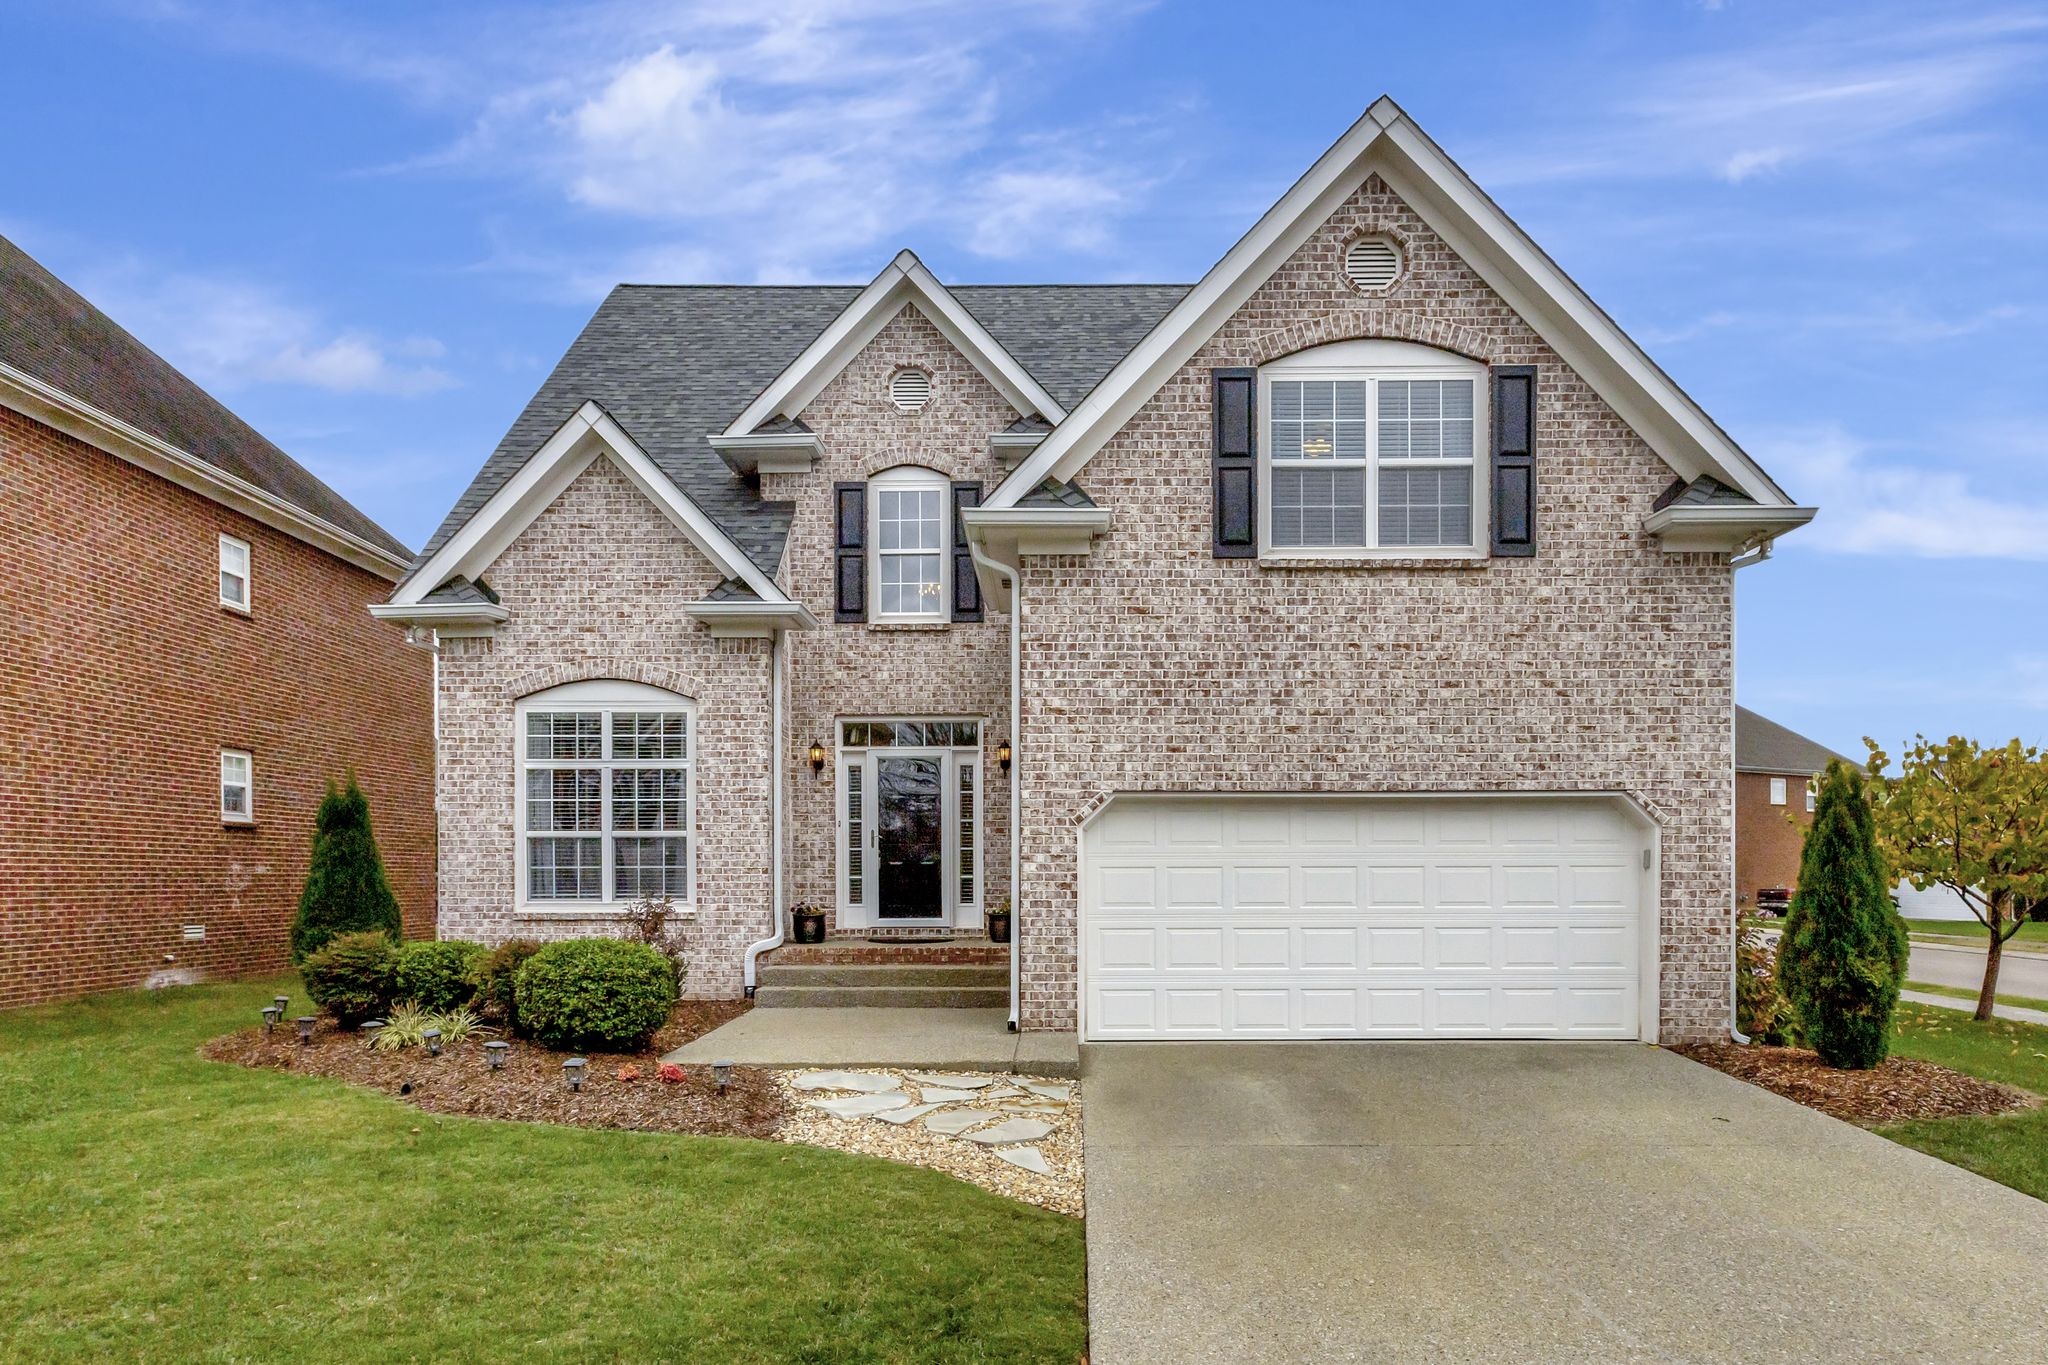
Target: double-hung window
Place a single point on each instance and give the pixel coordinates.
(910, 540)
(1373, 446)
(234, 573)
(237, 787)
(604, 796)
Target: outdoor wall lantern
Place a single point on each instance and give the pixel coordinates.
(721, 1073)
(432, 1038)
(271, 1014)
(573, 1070)
(817, 757)
(495, 1051)
(1003, 753)
(305, 1022)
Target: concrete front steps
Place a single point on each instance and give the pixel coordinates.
(894, 984)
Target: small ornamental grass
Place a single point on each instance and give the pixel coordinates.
(595, 994)
(408, 1025)
(439, 974)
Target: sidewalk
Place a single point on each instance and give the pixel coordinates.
(2002, 1011)
(926, 1039)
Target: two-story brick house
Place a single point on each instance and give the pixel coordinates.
(1338, 646)
(188, 661)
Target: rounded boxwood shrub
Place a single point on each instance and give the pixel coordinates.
(438, 975)
(497, 978)
(594, 993)
(353, 977)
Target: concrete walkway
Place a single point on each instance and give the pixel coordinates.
(1523, 1202)
(1949, 1002)
(927, 1039)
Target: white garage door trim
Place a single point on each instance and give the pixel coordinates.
(1365, 940)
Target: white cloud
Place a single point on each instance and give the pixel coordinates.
(1871, 506)
(231, 334)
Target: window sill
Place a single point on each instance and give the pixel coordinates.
(908, 625)
(594, 911)
(1375, 561)
(238, 824)
(234, 610)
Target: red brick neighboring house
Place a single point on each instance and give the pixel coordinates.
(1773, 767)
(188, 659)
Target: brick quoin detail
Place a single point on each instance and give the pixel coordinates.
(1602, 664)
(122, 680)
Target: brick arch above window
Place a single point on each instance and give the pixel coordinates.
(684, 685)
(1377, 322)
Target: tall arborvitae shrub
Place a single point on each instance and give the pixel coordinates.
(346, 889)
(1838, 965)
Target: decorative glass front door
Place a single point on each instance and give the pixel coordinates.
(909, 822)
(909, 837)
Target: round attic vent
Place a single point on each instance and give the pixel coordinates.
(1372, 263)
(910, 390)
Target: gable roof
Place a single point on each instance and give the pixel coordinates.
(52, 339)
(1764, 746)
(1387, 141)
(676, 363)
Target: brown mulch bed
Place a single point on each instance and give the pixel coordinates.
(531, 1087)
(1897, 1089)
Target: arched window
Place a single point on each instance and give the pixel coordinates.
(910, 540)
(604, 800)
(1373, 446)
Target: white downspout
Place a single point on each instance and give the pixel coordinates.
(775, 685)
(1015, 580)
(1757, 556)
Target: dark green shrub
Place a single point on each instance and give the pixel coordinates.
(496, 977)
(353, 976)
(595, 993)
(439, 974)
(346, 889)
(1839, 961)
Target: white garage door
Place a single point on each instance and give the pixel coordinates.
(1299, 917)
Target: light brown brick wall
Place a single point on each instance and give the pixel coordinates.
(122, 678)
(1767, 844)
(1603, 663)
(595, 589)
(857, 669)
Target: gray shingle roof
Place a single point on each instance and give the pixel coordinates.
(732, 590)
(49, 331)
(675, 363)
(1054, 493)
(460, 591)
(1764, 746)
(1705, 491)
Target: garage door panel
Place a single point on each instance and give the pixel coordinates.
(1373, 918)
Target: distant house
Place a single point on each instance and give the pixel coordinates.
(1774, 768)
(188, 659)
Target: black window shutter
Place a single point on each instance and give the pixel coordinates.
(966, 587)
(1514, 460)
(1234, 397)
(850, 536)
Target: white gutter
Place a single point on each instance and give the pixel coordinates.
(774, 940)
(1735, 938)
(1016, 582)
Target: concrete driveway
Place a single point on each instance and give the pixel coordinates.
(1535, 1202)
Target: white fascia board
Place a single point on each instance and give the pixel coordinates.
(768, 453)
(1007, 532)
(54, 408)
(1388, 141)
(589, 435)
(1729, 528)
(1012, 447)
(442, 613)
(750, 620)
(904, 281)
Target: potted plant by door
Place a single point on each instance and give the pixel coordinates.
(999, 923)
(810, 923)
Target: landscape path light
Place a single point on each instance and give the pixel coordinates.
(494, 1052)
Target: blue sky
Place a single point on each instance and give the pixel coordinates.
(371, 227)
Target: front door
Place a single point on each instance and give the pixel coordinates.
(910, 836)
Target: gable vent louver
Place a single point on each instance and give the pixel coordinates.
(1372, 263)
(910, 390)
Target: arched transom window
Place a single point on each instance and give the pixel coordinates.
(1372, 446)
(604, 798)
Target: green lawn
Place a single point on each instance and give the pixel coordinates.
(2025, 1002)
(2012, 1149)
(155, 1204)
(2033, 932)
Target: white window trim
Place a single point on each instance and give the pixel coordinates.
(606, 695)
(1373, 361)
(1778, 791)
(895, 480)
(247, 815)
(1812, 799)
(959, 914)
(228, 542)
